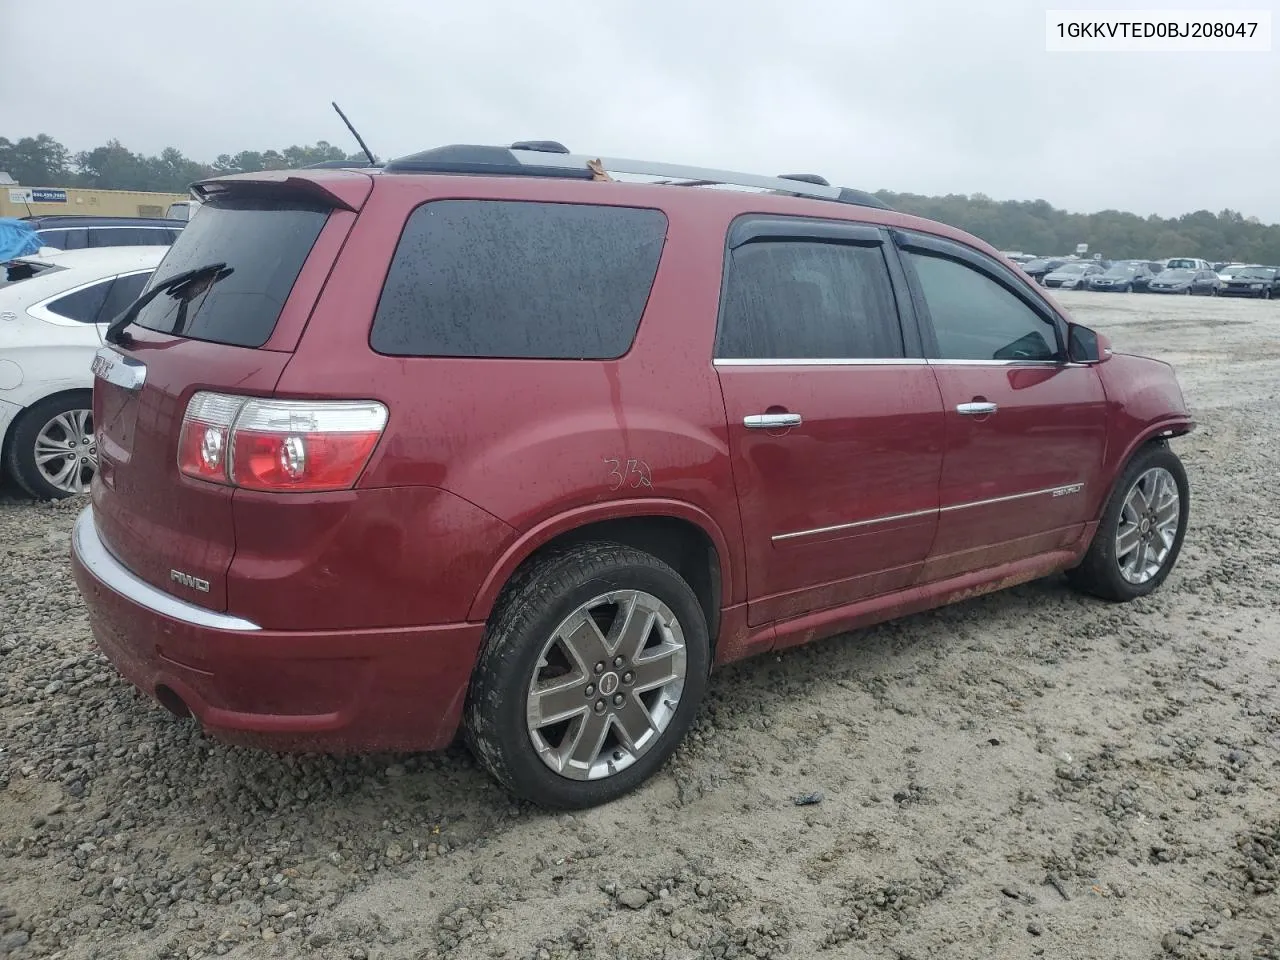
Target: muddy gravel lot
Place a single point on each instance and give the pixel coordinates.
(1030, 773)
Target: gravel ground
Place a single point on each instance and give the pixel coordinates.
(1029, 773)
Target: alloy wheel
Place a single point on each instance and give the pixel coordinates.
(66, 452)
(1148, 525)
(606, 685)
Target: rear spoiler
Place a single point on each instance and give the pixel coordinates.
(345, 189)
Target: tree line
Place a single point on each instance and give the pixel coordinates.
(1033, 226)
(42, 161)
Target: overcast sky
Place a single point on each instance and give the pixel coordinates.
(924, 96)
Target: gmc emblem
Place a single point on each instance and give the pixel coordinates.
(187, 580)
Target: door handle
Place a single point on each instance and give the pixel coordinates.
(975, 409)
(771, 421)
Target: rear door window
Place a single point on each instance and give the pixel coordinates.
(497, 278)
(127, 237)
(808, 300)
(123, 292)
(75, 239)
(263, 243)
(84, 304)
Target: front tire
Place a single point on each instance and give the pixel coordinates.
(593, 666)
(1140, 535)
(52, 453)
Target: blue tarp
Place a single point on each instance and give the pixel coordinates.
(17, 239)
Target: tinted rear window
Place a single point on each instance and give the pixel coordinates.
(263, 242)
(497, 278)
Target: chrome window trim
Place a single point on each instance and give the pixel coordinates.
(817, 362)
(113, 575)
(1058, 491)
(886, 362)
(996, 363)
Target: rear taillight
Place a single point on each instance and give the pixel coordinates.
(301, 445)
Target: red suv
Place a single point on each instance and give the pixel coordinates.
(489, 439)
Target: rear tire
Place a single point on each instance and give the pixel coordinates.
(34, 455)
(1137, 542)
(561, 720)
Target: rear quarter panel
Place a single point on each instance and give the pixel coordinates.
(541, 444)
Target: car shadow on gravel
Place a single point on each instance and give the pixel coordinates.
(444, 800)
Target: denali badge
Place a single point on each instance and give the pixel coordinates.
(187, 580)
(1073, 488)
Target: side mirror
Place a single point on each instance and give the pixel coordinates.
(1086, 346)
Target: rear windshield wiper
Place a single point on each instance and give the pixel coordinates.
(213, 271)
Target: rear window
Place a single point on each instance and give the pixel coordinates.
(263, 242)
(497, 278)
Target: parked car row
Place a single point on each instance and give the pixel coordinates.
(1188, 276)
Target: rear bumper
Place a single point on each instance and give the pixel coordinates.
(324, 691)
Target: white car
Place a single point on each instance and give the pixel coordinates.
(1187, 263)
(53, 313)
(182, 210)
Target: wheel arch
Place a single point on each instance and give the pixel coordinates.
(678, 533)
(7, 439)
(1158, 435)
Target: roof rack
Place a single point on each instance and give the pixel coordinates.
(340, 165)
(548, 158)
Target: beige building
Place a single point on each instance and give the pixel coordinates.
(19, 201)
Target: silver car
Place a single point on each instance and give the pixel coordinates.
(1072, 275)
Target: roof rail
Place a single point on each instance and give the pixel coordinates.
(544, 158)
(340, 165)
(806, 178)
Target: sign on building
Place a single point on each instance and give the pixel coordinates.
(37, 195)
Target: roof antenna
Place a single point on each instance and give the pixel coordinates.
(359, 139)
